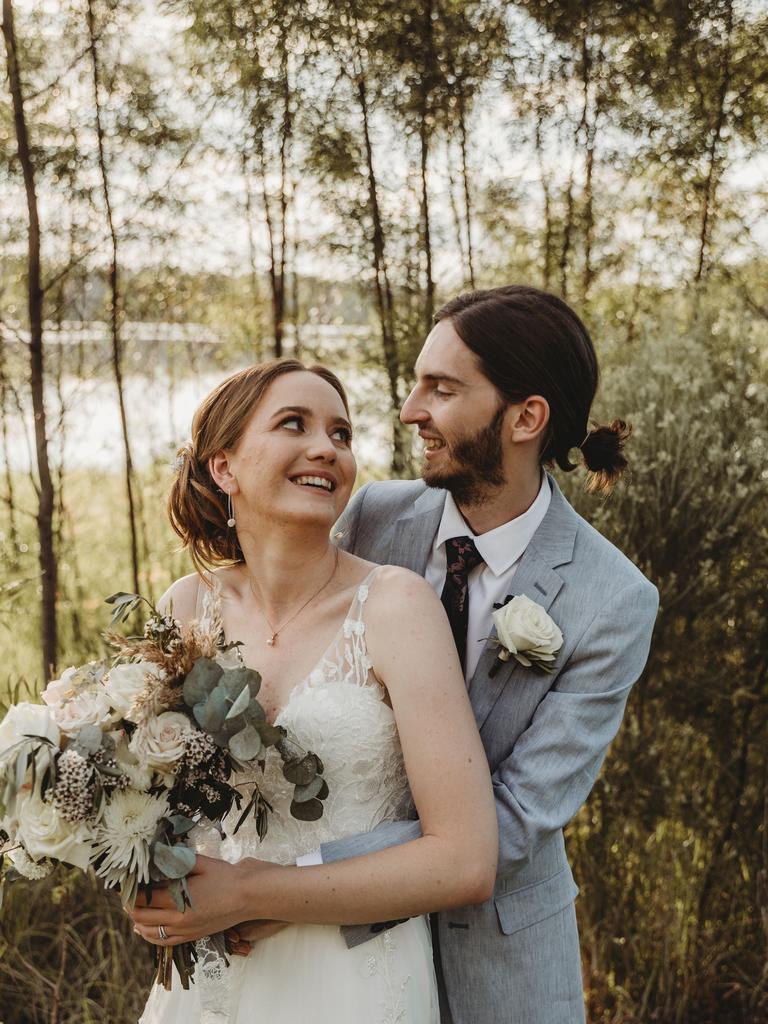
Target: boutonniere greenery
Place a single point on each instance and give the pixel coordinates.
(525, 632)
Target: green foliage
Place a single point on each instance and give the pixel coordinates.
(68, 952)
(669, 850)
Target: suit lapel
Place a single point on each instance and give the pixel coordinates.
(536, 578)
(415, 531)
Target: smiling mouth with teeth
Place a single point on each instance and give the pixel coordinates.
(314, 481)
(433, 443)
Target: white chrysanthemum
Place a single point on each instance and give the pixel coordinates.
(124, 834)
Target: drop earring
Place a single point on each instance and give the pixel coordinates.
(230, 513)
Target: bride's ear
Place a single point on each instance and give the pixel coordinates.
(221, 472)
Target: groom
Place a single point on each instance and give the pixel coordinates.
(504, 386)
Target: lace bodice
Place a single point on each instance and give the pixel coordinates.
(339, 712)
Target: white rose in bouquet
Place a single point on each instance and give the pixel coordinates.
(526, 631)
(88, 707)
(59, 690)
(26, 719)
(44, 833)
(161, 741)
(127, 681)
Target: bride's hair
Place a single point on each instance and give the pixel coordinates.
(197, 507)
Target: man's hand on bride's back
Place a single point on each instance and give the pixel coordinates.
(244, 935)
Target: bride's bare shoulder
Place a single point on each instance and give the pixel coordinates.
(394, 584)
(180, 599)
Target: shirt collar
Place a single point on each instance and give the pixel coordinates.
(501, 547)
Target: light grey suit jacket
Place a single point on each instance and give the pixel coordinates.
(515, 958)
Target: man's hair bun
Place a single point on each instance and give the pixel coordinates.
(603, 451)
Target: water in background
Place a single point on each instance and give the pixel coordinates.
(84, 423)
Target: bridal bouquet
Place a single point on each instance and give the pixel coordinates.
(126, 756)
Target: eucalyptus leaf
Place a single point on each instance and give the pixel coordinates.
(236, 678)
(271, 735)
(174, 861)
(177, 895)
(308, 792)
(212, 713)
(246, 745)
(129, 890)
(181, 824)
(241, 703)
(22, 763)
(89, 738)
(255, 712)
(302, 772)
(309, 810)
(125, 605)
(186, 892)
(201, 680)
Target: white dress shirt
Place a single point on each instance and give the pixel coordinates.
(489, 583)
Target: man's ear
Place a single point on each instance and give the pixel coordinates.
(529, 419)
(221, 472)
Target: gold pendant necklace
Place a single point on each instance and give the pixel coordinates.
(272, 640)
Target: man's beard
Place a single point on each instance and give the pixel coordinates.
(478, 461)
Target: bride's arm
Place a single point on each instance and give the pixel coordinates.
(452, 864)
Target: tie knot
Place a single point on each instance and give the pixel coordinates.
(462, 556)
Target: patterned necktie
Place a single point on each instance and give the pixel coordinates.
(462, 556)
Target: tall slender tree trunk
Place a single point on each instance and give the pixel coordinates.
(467, 191)
(547, 195)
(295, 285)
(589, 168)
(252, 261)
(285, 137)
(708, 202)
(276, 280)
(456, 216)
(589, 216)
(383, 291)
(131, 490)
(426, 87)
(48, 565)
(10, 496)
(429, 284)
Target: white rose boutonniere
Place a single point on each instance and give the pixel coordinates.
(525, 632)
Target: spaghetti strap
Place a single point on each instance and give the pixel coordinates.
(208, 593)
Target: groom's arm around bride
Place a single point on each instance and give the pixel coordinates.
(515, 958)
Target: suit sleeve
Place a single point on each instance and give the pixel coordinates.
(344, 533)
(391, 833)
(548, 775)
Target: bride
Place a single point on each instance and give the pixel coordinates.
(359, 663)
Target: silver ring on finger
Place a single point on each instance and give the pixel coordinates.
(162, 933)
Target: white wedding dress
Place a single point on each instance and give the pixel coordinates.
(305, 974)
